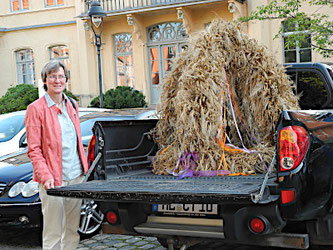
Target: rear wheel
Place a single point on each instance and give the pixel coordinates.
(91, 219)
(165, 243)
(321, 247)
(321, 232)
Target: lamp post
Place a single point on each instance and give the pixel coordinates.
(96, 14)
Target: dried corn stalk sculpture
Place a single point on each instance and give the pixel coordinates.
(219, 106)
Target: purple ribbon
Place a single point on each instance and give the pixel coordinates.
(188, 161)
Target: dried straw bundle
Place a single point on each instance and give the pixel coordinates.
(220, 104)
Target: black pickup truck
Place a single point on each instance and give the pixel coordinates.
(291, 207)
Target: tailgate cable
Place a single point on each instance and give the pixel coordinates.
(258, 197)
(92, 166)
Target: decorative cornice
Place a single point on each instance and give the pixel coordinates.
(130, 20)
(236, 8)
(165, 5)
(186, 15)
(180, 14)
(138, 29)
(36, 26)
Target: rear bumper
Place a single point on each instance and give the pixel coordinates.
(20, 215)
(231, 225)
(284, 240)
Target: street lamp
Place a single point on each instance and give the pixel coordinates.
(96, 14)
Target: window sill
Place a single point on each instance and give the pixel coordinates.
(20, 12)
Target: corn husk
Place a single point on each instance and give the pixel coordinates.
(221, 71)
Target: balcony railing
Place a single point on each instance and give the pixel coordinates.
(115, 6)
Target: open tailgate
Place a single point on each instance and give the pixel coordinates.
(147, 187)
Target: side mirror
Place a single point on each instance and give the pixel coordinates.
(23, 141)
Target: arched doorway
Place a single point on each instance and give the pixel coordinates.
(165, 41)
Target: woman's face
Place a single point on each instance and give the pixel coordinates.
(56, 81)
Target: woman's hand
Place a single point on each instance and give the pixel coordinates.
(48, 184)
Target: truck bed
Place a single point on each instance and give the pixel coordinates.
(126, 162)
(143, 185)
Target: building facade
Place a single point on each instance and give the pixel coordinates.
(139, 39)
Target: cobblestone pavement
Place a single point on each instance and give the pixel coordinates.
(123, 242)
(30, 239)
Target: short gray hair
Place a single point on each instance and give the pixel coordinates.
(50, 67)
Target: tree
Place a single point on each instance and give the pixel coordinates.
(318, 25)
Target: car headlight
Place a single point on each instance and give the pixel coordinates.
(27, 189)
(16, 189)
(30, 189)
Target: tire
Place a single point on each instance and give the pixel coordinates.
(91, 219)
(321, 232)
(164, 243)
(321, 247)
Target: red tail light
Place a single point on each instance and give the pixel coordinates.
(257, 225)
(287, 196)
(112, 217)
(91, 150)
(293, 144)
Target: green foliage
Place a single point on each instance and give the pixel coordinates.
(70, 94)
(318, 25)
(121, 97)
(18, 98)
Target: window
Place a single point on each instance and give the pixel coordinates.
(18, 5)
(61, 52)
(124, 59)
(25, 66)
(311, 89)
(51, 3)
(10, 126)
(301, 50)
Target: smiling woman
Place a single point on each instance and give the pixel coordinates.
(57, 155)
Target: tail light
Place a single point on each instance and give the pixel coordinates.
(258, 225)
(293, 144)
(91, 150)
(287, 196)
(112, 217)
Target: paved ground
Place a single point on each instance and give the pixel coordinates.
(30, 239)
(124, 242)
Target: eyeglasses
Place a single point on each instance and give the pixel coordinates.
(55, 77)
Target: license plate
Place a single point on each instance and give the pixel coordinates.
(186, 208)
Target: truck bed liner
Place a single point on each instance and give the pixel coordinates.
(145, 186)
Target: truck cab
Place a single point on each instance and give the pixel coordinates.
(314, 84)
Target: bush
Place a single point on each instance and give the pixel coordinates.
(19, 97)
(121, 97)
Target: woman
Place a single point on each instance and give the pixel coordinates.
(56, 151)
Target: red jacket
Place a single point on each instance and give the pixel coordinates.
(44, 140)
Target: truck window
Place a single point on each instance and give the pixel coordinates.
(311, 88)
